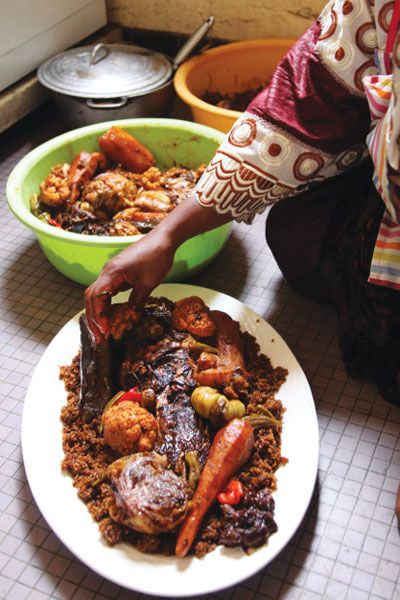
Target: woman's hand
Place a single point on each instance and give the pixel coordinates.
(145, 264)
(141, 267)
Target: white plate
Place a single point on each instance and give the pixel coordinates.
(123, 564)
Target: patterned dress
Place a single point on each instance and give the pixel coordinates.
(331, 103)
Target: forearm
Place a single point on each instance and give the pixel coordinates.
(189, 219)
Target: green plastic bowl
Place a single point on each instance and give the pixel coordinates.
(81, 257)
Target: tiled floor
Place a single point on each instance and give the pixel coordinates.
(348, 546)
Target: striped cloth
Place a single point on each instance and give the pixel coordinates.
(385, 265)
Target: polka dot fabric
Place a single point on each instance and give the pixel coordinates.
(313, 120)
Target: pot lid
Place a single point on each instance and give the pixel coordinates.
(105, 71)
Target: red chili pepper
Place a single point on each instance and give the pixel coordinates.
(232, 493)
(132, 395)
(53, 222)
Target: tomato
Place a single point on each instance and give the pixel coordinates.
(232, 493)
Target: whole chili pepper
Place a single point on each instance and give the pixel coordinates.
(232, 493)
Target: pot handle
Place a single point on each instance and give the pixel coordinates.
(99, 52)
(192, 42)
(93, 103)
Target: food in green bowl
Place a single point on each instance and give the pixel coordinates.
(81, 257)
(118, 191)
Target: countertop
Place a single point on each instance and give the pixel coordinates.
(347, 547)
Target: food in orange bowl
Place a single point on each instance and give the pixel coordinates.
(228, 69)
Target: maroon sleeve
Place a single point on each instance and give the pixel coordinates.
(306, 100)
(309, 124)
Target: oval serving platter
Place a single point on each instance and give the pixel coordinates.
(164, 576)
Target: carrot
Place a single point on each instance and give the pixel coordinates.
(230, 449)
(230, 346)
(83, 167)
(231, 364)
(126, 150)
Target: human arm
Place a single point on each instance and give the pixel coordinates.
(309, 124)
(144, 264)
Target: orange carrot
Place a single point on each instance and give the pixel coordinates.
(230, 346)
(230, 449)
(126, 150)
(231, 365)
(83, 167)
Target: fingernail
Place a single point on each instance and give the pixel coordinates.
(103, 326)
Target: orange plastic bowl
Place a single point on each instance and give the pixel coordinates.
(226, 69)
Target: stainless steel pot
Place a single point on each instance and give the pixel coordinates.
(80, 111)
(105, 82)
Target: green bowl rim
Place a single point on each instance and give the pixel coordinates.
(13, 187)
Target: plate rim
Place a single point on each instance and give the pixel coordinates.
(190, 290)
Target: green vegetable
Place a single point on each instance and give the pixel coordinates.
(193, 469)
(196, 346)
(267, 419)
(149, 399)
(216, 407)
(109, 404)
(225, 410)
(36, 210)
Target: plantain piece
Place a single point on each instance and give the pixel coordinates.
(216, 407)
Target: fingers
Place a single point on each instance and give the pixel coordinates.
(98, 301)
(397, 506)
(98, 297)
(142, 288)
(97, 304)
(139, 295)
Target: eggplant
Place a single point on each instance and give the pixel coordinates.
(169, 372)
(181, 431)
(98, 365)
